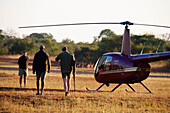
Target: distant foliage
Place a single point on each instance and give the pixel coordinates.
(85, 52)
(151, 44)
(41, 35)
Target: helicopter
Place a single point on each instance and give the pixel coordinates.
(122, 68)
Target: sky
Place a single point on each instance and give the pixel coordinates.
(18, 13)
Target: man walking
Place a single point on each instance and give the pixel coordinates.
(23, 67)
(41, 65)
(66, 62)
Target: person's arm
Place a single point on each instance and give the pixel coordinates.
(49, 63)
(19, 61)
(74, 69)
(34, 64)
(27, 59)
(74, 66)
(27, 62)
(57, 58)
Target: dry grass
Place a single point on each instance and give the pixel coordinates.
(82, 100)
(15, 99)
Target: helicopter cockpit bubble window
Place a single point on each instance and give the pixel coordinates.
(99, 62)
(108, 61)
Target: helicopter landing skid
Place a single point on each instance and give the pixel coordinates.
(103, 85)
(134, 90)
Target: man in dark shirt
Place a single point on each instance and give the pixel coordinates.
(41, 65)
(23, 67)
(66, 62)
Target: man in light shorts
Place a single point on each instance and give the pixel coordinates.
(23, 67)
(67, 62)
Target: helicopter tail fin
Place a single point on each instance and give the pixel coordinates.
(126, 43)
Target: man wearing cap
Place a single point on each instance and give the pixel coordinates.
(23, 67)
(41, 65)
(67, 62)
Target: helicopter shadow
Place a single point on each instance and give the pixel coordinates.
(138, 92)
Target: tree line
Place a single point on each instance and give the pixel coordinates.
(107, 41)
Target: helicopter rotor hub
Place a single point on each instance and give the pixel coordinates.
(127, 23)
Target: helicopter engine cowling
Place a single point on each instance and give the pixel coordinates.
(142, 72)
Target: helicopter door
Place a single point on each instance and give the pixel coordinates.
(99, 62)
(104, 62)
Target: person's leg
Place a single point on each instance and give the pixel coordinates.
(38, 85)
(68, 85)
(65, 85)
(38, 78)
(25, 81)
(20, 81)
(68, 81)
(20, 74)
(42, 81)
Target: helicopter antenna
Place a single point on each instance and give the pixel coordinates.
(142, 49)
(158, 47)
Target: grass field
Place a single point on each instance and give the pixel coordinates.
(16, 99)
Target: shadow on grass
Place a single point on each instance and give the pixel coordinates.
(34, 89)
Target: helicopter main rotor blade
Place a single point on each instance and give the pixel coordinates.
(127, 23)
(72, 24)
(151, 25)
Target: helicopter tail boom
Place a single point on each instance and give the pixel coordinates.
(151, 57)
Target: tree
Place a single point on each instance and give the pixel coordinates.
(67, 41)
(151, 43)
(41, 35)
(166, 36)
(10, 33)
(2, 37)
(18, 45)
(107, 33)
(86, 55)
